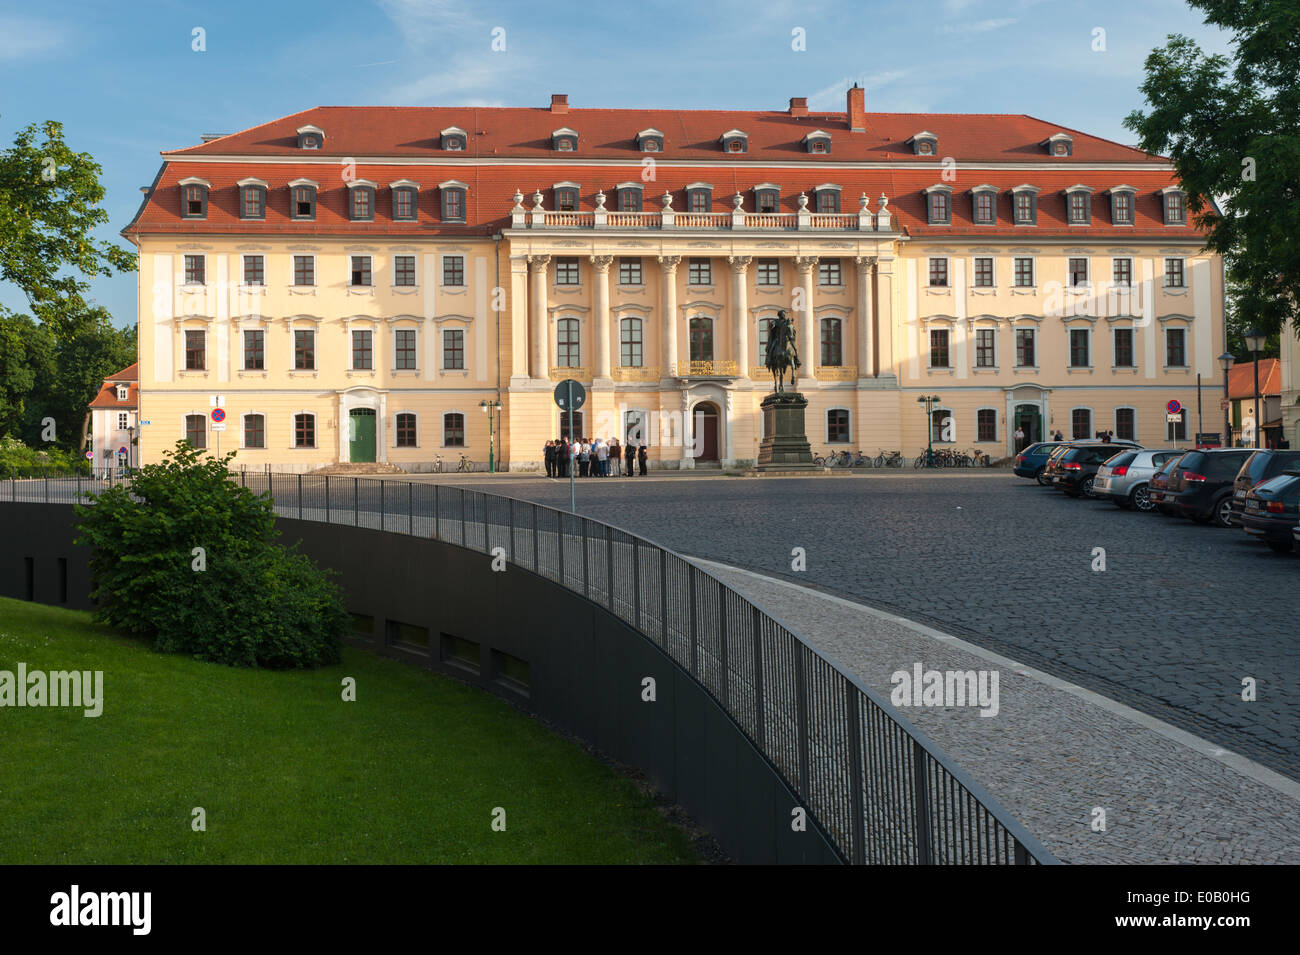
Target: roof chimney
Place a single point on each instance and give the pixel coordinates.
(798, 106)
(857, 109)
(559, 102)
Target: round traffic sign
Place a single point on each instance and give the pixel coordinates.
(90, 455)
(218, 415)
(1173, 407)
(570, 387)
(121, 450)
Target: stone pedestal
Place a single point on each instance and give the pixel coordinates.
(785, 444)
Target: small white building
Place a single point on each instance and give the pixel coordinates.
(114, 421)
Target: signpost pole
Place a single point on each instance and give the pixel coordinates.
(573, 501)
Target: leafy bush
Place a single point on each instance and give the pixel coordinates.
(254, 603)
(17, 460)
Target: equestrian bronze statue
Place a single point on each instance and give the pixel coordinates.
(782, 355)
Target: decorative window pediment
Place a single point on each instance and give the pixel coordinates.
(818, 141)
(1060, 144)
(564, 140)
(734, 141)
(650, 141)
(310, 137)
(925, 144)
(453, 139)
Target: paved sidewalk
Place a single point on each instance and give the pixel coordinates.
(1056, 752)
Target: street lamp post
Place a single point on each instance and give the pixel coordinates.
(1255, 342)
(1225, 361)
(490, 408)
(130, 447)
(929, 401)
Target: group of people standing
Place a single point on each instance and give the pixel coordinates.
(594, 458)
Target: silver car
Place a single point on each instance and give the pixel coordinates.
(1123, 479)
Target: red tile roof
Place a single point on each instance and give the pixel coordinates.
(107, 396)
(1241, 378)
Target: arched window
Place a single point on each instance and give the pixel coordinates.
(254, 431)
(304, 431)
(568, 351)
(764, 333)
(832, 343)
(196, 430)
(701, 339)
(631, 351)
(453, 430)
(405, 430)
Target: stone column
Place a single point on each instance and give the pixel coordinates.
(687, 431)
(600, 271)
(740, 312)
(518, 318)
(538, 363)
(884, 316)
(668, 313)
(866, 264)
(809, 351)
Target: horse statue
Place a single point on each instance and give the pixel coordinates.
(782, 355)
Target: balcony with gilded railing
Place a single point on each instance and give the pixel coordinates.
(668, 219)
(824, 373)
(705, 369)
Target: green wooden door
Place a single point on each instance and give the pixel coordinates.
(361, 435)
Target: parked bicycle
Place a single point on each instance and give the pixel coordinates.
(465, 465)
(890, 459)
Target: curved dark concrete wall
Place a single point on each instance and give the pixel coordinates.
(584, 666)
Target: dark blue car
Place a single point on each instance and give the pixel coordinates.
(1031, 461)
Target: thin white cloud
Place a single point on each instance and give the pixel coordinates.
(832, 96)
(978, 26)
(424, 23)
(22, 38)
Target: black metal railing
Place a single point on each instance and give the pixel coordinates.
(880, 789)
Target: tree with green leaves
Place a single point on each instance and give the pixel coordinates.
(1231, 126)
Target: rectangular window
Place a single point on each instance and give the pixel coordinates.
(1024, 207)
(766, 201)
(254, 350)
(1079, 348)
(566, 200)
(568, 351)
(939, 208)
(629, 200)
(837, 426)
(1174, 273)
(453, 201)
(304, 202)
(304, 270)
(566, 271)
(1078, 208)
(304, 431)
(361, 202)
(304, 350)
(1121, 208)
(938, 348)
(1176, 347)
(453, 430)
(984, 272)
(404, 271)
(1078, 272)
(1024, 273)
(700, 272)
(453, 271)
(123, 420)
(254, 270)
(828, 201)
(254, 431)
(698, 201)
(254, 207)
(1123, 348)
(362, 350)
(404, 349)
(984, 208)
(195, 351)
(1081, 424)
(1025, 357)
(453, 348)
(829, 273)
(986, 425)
(193, 201)
(361, 271)
(631, 350)
(629, 271)
(404, 203)
(939, 273)
(1126, 424)
(195, 270)
(769, 272)
(196, 430)
(406, 430)
(1123, 272)
(985, 353)
(1175, 210)
(832, 343)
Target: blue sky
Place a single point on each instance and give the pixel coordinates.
(126, 83)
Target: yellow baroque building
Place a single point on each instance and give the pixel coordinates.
(356, 284)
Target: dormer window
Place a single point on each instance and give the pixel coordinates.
(699, 197)
(310, 137)
(629, 196)
(925, 144)
(1121, 205)
(453, 200)
(1078, 205)
(564, 140)
(194, 198)
(984, 208)
(566, 196)
(826, 199)
(302, 199)
(122, 392)
(767, 197)
(1024, 205)
(1175, 206)
(1062, 144)
(734, 141)
(650, 141)
(405, 197)
(818, 141)
(938, 205)
(252, 199)
(361, 200)
(453, 139)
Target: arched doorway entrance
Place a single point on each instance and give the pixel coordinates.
(1029, 419)
(361, 435)
(706, 431)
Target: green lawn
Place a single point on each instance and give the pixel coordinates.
(289, 773)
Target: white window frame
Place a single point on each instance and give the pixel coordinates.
(193, 255)
(930, 326)
(365, 326)
(997, 425)
(1130, 327)
(1092, 422)
(123, 392)
(404, 325)
(1115, 422)
(1033, 263)
(1069, 332)
(826, 425)
(1132, 272)
(315, 270)
(392, 270)
(123, 420)
(419, 430)
(1015, 350)
(975, 349)
(442, 347)
(976, 258)
(266, 430)
(1086, 284)
(1164, 277)
(293, 430)
(1184, 327)
(947, 269)
(442, 429)
(464, 272)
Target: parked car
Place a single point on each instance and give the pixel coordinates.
(1259, 467)
(1124, 478)
(1201, 485)
(1272, 511)
(1052, 472)
(1158, 487)
(1076, 469)
(1032, 462)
